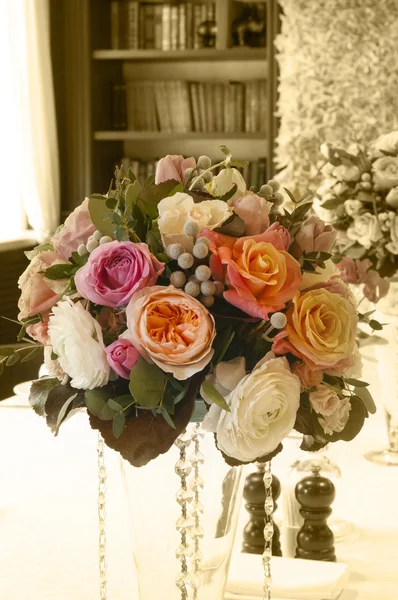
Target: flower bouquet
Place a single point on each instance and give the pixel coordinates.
(359, 195)
(192, 298)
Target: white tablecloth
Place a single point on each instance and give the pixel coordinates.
(48, 518)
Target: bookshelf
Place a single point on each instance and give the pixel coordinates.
(86, 67)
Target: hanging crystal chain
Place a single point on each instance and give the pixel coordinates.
(188, 497)
(268, 530)
(101, 516)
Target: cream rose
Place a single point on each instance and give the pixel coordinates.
(171, 329)
(385, 172)
(393, 245)
(263, 408)
(76, 338)
(347, 173)
(392, 197)
(336, 422)
(225, 180)
(177, 210)
(324, 400)
(353, 207)
(366, 230)
(387, 142)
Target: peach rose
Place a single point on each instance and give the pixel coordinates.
(39, 331)
(308, 378)
(77, 229)
(171, 329)
(253, 210)
(39, 294)
(321, 329)
(324, 400)
(173, 166)
(259, 272)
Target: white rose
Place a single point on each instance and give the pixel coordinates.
(326, 186)
(337, 420)
(393, 245)
(76, 338)
(387, 142)
(324, 400)
(263, 407)
(340, 188)
(366, 230)
(319, 276)
(177, 210)
(353, 207)
(225, 180)
(385, 172)
(347, 173)
(392, 197)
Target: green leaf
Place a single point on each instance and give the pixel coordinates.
(147, 384)
(13, 359)
(63, 271)
(215, 395)
(30, 355)
(30, 254)
(234, 226)
(132, 194)
(131, 175)
(355, 382)
(1, 368)
(240, 164)
(229, 194)
(292, 198)
(63, 411)
(124, 401)
(39, 392)
(366, 398)
(99, 212)
(167, 417)
(300, 211)
(118, 424)
(332, 203)
(120, 233)
(97, 403)
(225, 150)
(150, 197)
(179, 188)
(7, 351)
(150, 180)
(375, 325)
(54, 356)
(111, 203)
(114, 405)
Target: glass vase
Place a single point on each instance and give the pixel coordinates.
(156, 502)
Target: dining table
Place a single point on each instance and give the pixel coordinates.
(48, 508)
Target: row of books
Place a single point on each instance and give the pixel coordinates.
(139, 25)
(182, 106)
(255, 173)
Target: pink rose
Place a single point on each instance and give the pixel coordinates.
(253, 210)
(77, 229)
(39, 331)
(260, 274)
(39, 294)
(324, 400)
(171, 329)
(308, 378)
(314, 236)
(173, 166)
(115, 271)
(122, 356)
(359, 271)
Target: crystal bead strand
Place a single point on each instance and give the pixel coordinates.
(101, 516)
(196, 533)
(268, 530)
(183, 468)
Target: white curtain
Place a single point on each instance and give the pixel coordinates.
(28, 151)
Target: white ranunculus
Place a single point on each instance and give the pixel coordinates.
(337, 420)
(263, 407)
(393, 245)
(319, 276)
(353, 207)
(76, 338)
(346, 173)
(225, 180)
(385, 172)
(392, 197)
(366, 230)
(177, 210)
(387, 142)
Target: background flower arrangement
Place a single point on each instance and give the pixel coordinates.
(359, 195)
(190, 284)
(335, 63)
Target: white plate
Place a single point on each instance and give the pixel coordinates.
(22, 389)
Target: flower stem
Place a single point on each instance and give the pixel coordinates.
(220, 164)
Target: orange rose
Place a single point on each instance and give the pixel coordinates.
(259, 272)
(171, 329)
(321, 328)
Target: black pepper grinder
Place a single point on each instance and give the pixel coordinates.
(315, 539)
(254, 494)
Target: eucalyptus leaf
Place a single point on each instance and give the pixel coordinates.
(97, 403)
(63, 411)
(167, 417)
(214, 395)
(132, 194)
(120, 233)
(13, 359)
(99, 212)
(355, 382)
(114, 405)
(375, 325)
(366, 398)
(118, 424)
(111, 203)
(147, 383)
(32, 354)
(7, 351)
